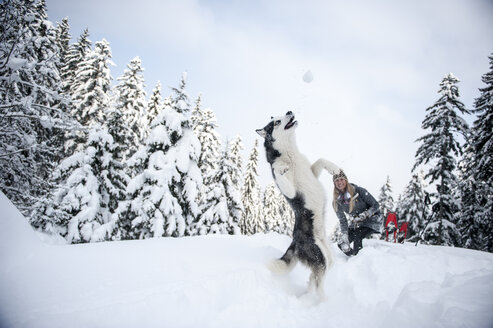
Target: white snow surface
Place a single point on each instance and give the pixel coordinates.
(222, 281)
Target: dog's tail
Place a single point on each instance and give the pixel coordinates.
(322, 164)
(286, 263)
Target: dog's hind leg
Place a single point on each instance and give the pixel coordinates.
(316, 282)
(327, 253)
(314, 257)
(286, 263)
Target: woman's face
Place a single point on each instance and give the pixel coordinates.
(340, 184)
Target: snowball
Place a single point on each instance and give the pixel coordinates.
(308, 76)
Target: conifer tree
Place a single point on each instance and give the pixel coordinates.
(229, 180)
(287, 215)
(82, 205)
(92, 96)
(186, 154)
(163, 196)
(252, 222)
(154, 208)
(154, 107)
(476, 218)
(438, 148)
(223, 205)
(77, 52)
(385, 199)
(214, 215)
(230, 177)
(278, 215)
(63, 40)
(31, 119)
(118, 128)
(411, 207)
(237, 162)
(131, 101)
(74, 57)
(204, 126)
(271, 209)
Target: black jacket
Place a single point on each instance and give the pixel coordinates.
(363, 201)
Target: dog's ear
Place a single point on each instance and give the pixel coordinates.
(261, 132)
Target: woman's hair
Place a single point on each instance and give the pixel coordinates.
(337, 193)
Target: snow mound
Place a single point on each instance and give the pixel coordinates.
(223, 281)
(18, 241)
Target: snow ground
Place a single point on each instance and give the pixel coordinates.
(222, 281)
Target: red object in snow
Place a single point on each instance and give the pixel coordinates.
(403, 229)
(391, 218)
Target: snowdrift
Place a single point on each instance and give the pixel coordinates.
(222, 281)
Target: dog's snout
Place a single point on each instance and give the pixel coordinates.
(289, 113)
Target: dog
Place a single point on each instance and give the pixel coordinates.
(298, 182)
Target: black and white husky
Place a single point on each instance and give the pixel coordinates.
(298, 181)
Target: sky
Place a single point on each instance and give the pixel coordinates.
(376, 67)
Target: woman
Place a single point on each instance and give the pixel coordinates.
(363, 210)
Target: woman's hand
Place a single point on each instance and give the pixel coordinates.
(362, 217)
(344, 245)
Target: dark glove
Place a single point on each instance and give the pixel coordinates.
(344, 245)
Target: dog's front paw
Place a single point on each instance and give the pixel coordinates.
(280, 168)
(283, 170)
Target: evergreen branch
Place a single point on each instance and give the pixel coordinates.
(17, 39)
(34, 86)
(17, 151)
(33, 117)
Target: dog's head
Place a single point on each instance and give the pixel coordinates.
(280, 127)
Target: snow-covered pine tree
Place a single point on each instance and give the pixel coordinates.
(31, 121)
(214, 216)
(469, 228)
(385, 199)
(204, 125)
(271, 209)
(411, 207)
(230, 177)
(154, 208)
(237, 162)
(287, 215)
(63, 39)
(186, 153)
(227, 194)
(154, 107)
(163, 197)
(116, 173)
(92, 94)
(278, 215)
(476, 217)
(131, 100)
(76, 54)
(82, 208)
(438, 149)
(252, 222)
(74, 57)
(119, 130)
